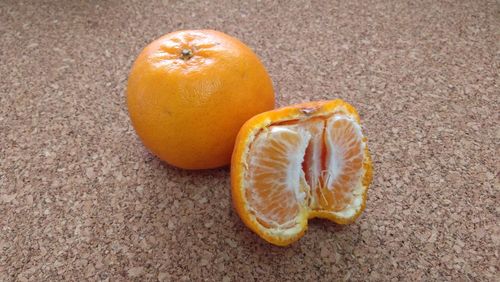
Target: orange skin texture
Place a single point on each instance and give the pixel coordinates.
(187, 109)
(238, 164)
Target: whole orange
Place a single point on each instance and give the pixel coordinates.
(189, 92)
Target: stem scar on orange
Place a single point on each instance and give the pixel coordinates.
(300, 162)
(189, 92)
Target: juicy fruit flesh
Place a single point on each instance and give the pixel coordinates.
(313, 165)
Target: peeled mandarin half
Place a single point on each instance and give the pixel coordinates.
(300, 162)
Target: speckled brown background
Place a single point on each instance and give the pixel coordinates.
(81, 198)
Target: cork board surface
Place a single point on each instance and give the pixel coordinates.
(82, 199)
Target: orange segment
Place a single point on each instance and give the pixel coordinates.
(273, 180)
(299, 162)
(344, 163)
